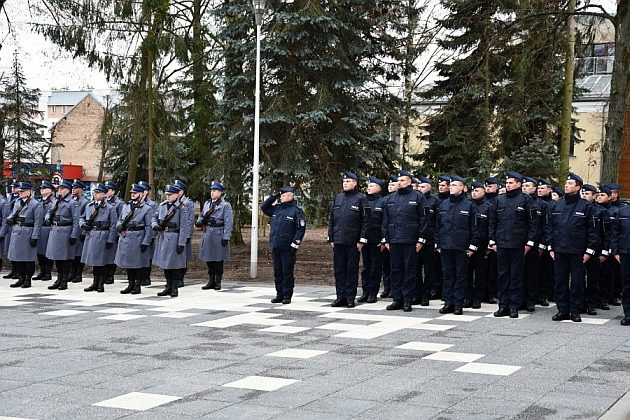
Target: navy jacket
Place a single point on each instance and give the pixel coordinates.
(404, 218)
(608, 215)
(288, 223)
(541, 210)
(456, 225)
(348, 223)
(620, 237)
(482, 213)
(513, 221)
(572, 226)
(374, 215)
(431, 210)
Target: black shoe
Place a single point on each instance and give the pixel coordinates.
(604, 306)
(626, 321)
(435, 296)
(277, 299)
(395, 306)
(530, 307)
(476, 304)
(286, 301)
(416, 301)
(109, 280)
(513, 313)
(338, 303)
(591, 310)
(18, 283)
(217, 281)
(27, 283)
(467, 303)
(407, 306)
(386, 293)
(9, 275)
(40, 276)
(491, 301)
(56, 284)
(363, 299)
(209, 285)
(458, 311)
(94, 286)
(101, 284)
(371, 299)
(502, 312)
(561, 316)
(351, 304)
(544, 302)
(127, 289)
(136, 289)
(447, 309)
(615, 301)
(424, 302)
(64, 282)
(576, 318)
(78, 278)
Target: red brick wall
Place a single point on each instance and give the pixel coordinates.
(624, 163)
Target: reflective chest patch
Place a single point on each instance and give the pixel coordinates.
(289, 218)
(463, 212)
(413, 203)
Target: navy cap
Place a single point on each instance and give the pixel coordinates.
(558, 191)
(25, 186)
(47, 184)
(172, 189)
(136, 188)
(405, 173)
(425, 180)
(350, 175)
(457, 178)
(477, 184)
(604, 189)
(515, 175)
(78, 184)
(530, 179)
(575, 178)
(589, 187)
(375, 180)
(287, 189)
(445, 178)
(65, 184)
(216, 185)
(111, 185)
(544, 181)
(393, 179)
(15, 183)
(181, 185)
(145, 185)
(491, 180)
(415, 180)
(100, 188)
(613, 186)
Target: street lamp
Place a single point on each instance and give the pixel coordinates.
(259, 9)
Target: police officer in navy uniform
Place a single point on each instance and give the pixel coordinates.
(532, 259)
(190, 205)
(615, 202)
(405, 226)
(392, 187)
(428, 259)
(512, 233)
(63, 219)
(288, 225)
(216, 219)
(372, 250)
(76, 275)
(557, 193)
(172, 226)
(99, 224)
(347, 231)
(593, 265)
(620, 248)
(48, 201)
(545, 274)
(135, 235)
(492, 191)
(456, 239)
(145, 274)
(478, 264)
(117, 203)
(572, 238)
(5, 229)
(26, 222)
(607, 266)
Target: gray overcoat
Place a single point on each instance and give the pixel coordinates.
(129, 254)
(191, 219)
(177, 233)
(95, 252)
(217, 228)
(65, 225)
(4, 207)
(45, 233)
(5, 229)
(29, 213)
(82, 202)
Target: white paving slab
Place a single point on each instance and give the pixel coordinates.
(261, 383)
(138, 401)
(175, 315)
(590, 321)
(462, 318)
(285, 329)
(64, 312)
(254, 318)
(117, 310)
(448, 356)
(488, 369)
(339, 326)
(520, 316)
(297, 353)
(423, 346)
(122, 317)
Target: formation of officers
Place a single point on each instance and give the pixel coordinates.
(65, 229)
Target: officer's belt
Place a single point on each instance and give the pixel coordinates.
(101, 228)
(60, 224)
(215, 224)
(135, 228)
(171, 229)
(25, 224)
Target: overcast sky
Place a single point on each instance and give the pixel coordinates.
(46, 67)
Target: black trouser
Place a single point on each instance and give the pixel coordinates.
(387, 270)
(426, 271)
(403, 276)
(346, 266)
(625, 279)
(606, 279)
(372, 269)
(492, 288)
(531, 294)
(64, 266)
(283, 265)
(455, 276)
(592, 282)
(44, 263)
(569, 282)
(545, 276)
(477, 272)
(438, 275)
(215, 267)
(510, 269)
(25, 268)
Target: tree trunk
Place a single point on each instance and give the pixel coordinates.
(567, 102)
(150, 100)
(613, 146)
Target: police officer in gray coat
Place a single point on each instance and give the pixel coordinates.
(99, 224)
(45, 264)
(113, 200)
(145, 275)
(216, 220)
(76, 275)
(63, 219)
(190, 205)
(173, 230)
(134, 238)
(26, 224)
(5, 230)
(3, 207)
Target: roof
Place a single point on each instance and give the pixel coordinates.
(73, 97)
(595, 86)
(73, 108)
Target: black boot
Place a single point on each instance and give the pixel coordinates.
(167, 288)
(175, 283)
(132, 282)
(27, 281)
(78, 278)
(93, 286)
(101, 281)
(48, 270)
(73, 271)
(11, 273)
(217, 281)
(42, 268)
(146, 276)
(136, 281)
(20, 282)
(211, 283)
(57, 282)
(180, 277)
(111, 270)
(64, 281)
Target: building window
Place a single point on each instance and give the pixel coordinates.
(53, 109)
(596, 59)
(64, 109)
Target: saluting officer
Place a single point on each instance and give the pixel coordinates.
(512, 233)
(78, 194)
(134, 238)
(216, 219)
(63, 219)
(288, 225)
(117, 203)
(99, 224)
(456, 239)
(392, 187)
(172, 222)
(145, 275)
(620, 246)
(572, 239)
(405, 227)
(608, 266)
(48, 201)
(478, 264)
(5, 230)
(26, 224)
(347, 230)
(371, 253)
(427, 270)
(190, 205)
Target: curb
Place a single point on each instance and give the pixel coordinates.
(619, 410)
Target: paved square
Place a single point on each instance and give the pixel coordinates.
(232, 354)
